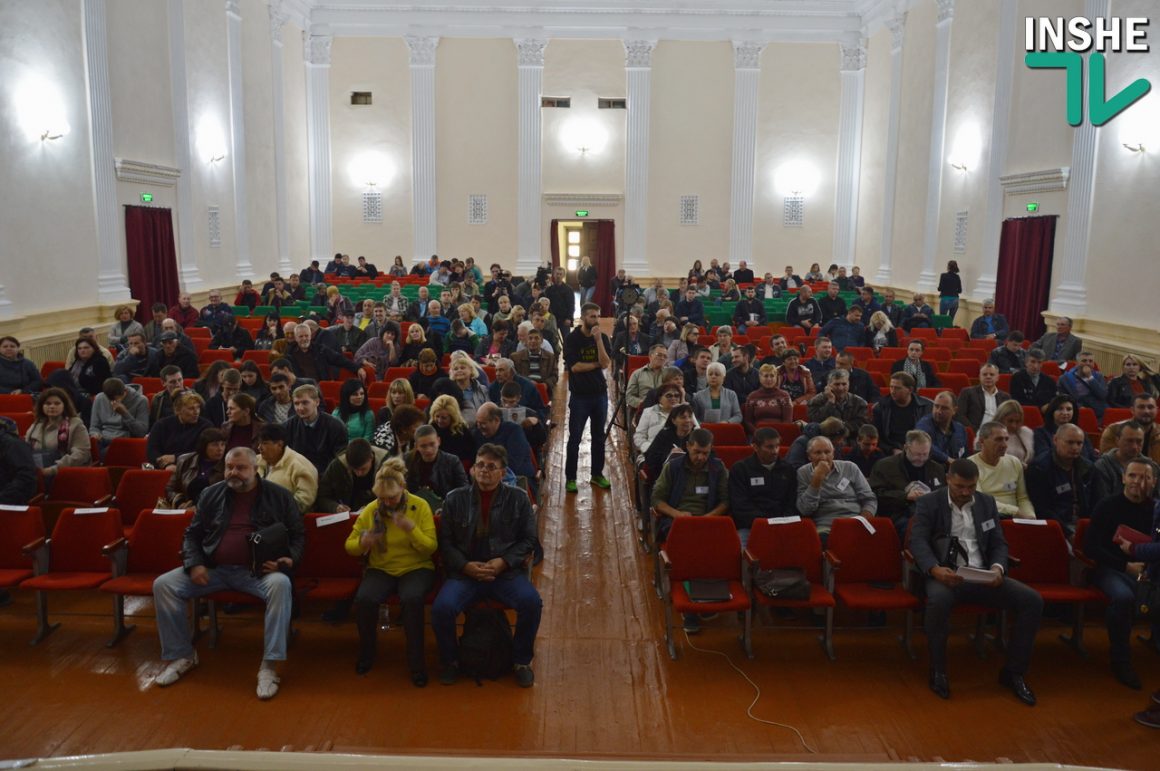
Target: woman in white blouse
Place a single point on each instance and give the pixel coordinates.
(1021, 440)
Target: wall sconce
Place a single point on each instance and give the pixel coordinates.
(966, 148)
(1138, 147)
(55, 133)
(583, 136)
(371, 170)
(960, 166)
(211, 142)
(796, 178)
(41, 109)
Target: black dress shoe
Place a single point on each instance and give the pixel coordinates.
(1018, 686)
(362, 666)
(1126, 675)
(419, 679)
(940, 685)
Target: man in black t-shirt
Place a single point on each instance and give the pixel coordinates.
(586, 357)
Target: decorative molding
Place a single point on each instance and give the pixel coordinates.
(186, 221)
(237, 97)
(793, 211)
(590, 200)
(529, 225)
(476, 209)
(372, 207)
(689, 210)
(214, 226)
(422, 50)
(853, 57)
(233, 9)
(885, 274)
(936, 161)
(743, 162)
(278, 19)
(146, 173)
(1044, 181)
(849, 168)
(638, 53)
(318, 49)
(530, 51)
(897, 26)
(946, 10)
(959, 244)
(747, 55)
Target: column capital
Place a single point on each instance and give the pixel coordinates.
(278, 19)
(233, 8)
(318, 49)
(638, 53)
(422, 49)
(853, 57)
(897, 26)
(530, 51)
(747, 55)
(946, 10)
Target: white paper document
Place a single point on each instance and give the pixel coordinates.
(975, 575)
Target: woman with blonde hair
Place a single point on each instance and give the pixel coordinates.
(395, 535)
(336, 304)
(416, 342)
(1020, 438)
(474, 392)
(679, 348)
(587, 277)
(399, 393)
(123, 326)
(58, 437)
(470, 320)
(454, 436)
(1135, 378)
(880, 333)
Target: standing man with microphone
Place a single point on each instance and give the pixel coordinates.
(586, 357)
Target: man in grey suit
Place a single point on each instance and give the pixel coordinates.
(1060, 345)
(960, 516)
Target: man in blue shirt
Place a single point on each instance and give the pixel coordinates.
(691, 310)
(948, 437)
(847, 330)
(991, 325)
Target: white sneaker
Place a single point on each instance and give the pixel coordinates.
(172, 673)
(267, 684)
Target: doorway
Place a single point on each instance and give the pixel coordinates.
(1023, 284)
(572, 240)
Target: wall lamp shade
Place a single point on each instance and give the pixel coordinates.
(796, 178)
(41, 110)
(371, 169)
(583, 136)
(211, 140)
(967, 146)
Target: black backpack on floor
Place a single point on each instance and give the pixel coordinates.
(485, 649)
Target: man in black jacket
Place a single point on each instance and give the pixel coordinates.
(899, 412)
(1029, 386)
(431, 468)
(761, 485)
(173, 353)
(489, 532)
(217, 556)
(312, 433)
(960, 514)
(1057, 482)
(17, 469)
(750, 312)
(310, 359)
(563, 301)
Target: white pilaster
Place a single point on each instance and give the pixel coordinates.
(530, 63)
(423, 207)
(1070, 296)
(853, 73)
(186, 244)
(638, 69)
(318, 144)
(1006, 56)
(111, 282)
(746, 75)
(282, 224)
(885, 274)
(928, 278)
(238, 138)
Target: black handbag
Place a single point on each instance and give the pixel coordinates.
(268, 545)
(783, 583)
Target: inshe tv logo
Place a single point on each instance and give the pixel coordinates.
(1046, 39)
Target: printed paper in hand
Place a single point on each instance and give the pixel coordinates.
(975, 575)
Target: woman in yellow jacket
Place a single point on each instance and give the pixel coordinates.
(396, 535)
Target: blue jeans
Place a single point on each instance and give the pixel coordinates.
(948, 306)
(1121, 591)
(581, 410)
(172, 590)
(586, 293)
(512, 589)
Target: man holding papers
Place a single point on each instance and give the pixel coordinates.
(960, 527)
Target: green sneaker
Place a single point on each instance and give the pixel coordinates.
(601, 482)
(570, 485)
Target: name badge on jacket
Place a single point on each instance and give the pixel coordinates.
(757, 481)
(843, 483)
(988, 525)
(701, 490)
(1064, 488)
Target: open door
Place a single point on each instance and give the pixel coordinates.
(572, 240)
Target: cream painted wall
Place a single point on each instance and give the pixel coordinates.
(914, 143)
(294, 126)
(475, 147)
(207, 80)
(381, 66)
(261, 203)
(139, 77)
(797, 121)
(584, 70)
(690, 152)
(47, 218)
(875, 119)
(970, 104)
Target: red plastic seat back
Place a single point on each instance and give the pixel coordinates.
(81, 484)
(1041, 549)
(865, 557)
(727, 433)
(704, 547)
(1078, 541)
(16, 403)
(139, 489)
(126, 451)
(18, 528)
(77, 540)
(23, 420)
(155, 543)
(730, 455)
(325, 553)
(789, 545)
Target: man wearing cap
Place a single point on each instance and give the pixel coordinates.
(312, 275)
(173, 353)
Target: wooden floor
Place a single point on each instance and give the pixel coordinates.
(605, 687)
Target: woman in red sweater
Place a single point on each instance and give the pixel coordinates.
(768, 404)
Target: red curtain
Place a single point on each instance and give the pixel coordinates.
(604, 260)
(152, 258)
(554, 242)
(1023, 285)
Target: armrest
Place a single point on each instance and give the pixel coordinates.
(38, 551)
(832, 560)
(1013, 561)
(118, 554)
(104, 500)
(749, 557)
(36, 500)
(30, 548)
(1083, 558)
(109, 548)
(666, 563)
(908, 555)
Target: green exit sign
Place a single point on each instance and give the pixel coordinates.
(146, 198)
(581, 212)
(1033, 206)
